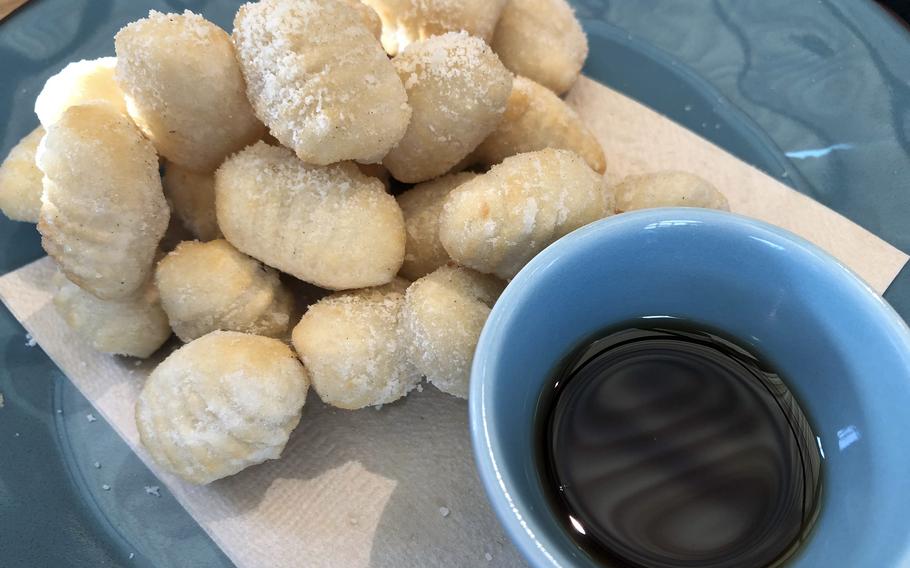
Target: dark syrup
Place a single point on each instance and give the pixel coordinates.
(673, 447)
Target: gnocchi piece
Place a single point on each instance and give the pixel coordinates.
(20, 180)
(368, 17)
(667, 189)
(184, 88)
(443, 315)
(421, 206)
(458, 90)
(543, 41)
(535, 119)
(135, 326)
(330, 226)
(498, 221)
(192, 198)
(407, 21)
(220, 404)
(351, 344)
(319, 80)
(102, 211)
(209, 286)
(80, 82)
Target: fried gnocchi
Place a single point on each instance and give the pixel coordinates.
(407, 21)
(421, 206)
(498, 221)
(184, 88)
(543, 41)
(209, 286)
(80, 82)
(351, 344)
(20, 180)
(368, 17)
(458, 91)
(135, 326)
(319, 80)
(535, 119)
(667, 189)
(330, 226)
(220, 404)
(442, 317)
(192, 198)
(103, 211)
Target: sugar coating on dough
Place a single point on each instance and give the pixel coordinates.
(500, 220)
(443, 315)
(543, 41)
(209, 286)
(80, 82)
(458, 90)
(535, 119)
(20, 180)
(319, 80)
(184, 88)
(407, 21)
(220, 404)
(135, 326)
(192, 198)
(331, 226)
(103, 211)
(351, 344)
(667, 189)
(421, 206)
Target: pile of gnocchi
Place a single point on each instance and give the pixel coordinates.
(347, 187)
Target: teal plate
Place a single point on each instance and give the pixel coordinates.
(816, 94)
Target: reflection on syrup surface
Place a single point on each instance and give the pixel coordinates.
(674, 447)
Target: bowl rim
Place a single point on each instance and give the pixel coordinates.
(507, 510)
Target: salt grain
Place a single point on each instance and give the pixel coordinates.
(97, 465)
(106, 487)
(153, 490)
(488, 556)
(444, 511)
(30, 341)
(91, 417)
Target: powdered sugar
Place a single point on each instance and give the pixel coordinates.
(316, 76)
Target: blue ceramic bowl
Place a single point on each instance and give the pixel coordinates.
(843, 351)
